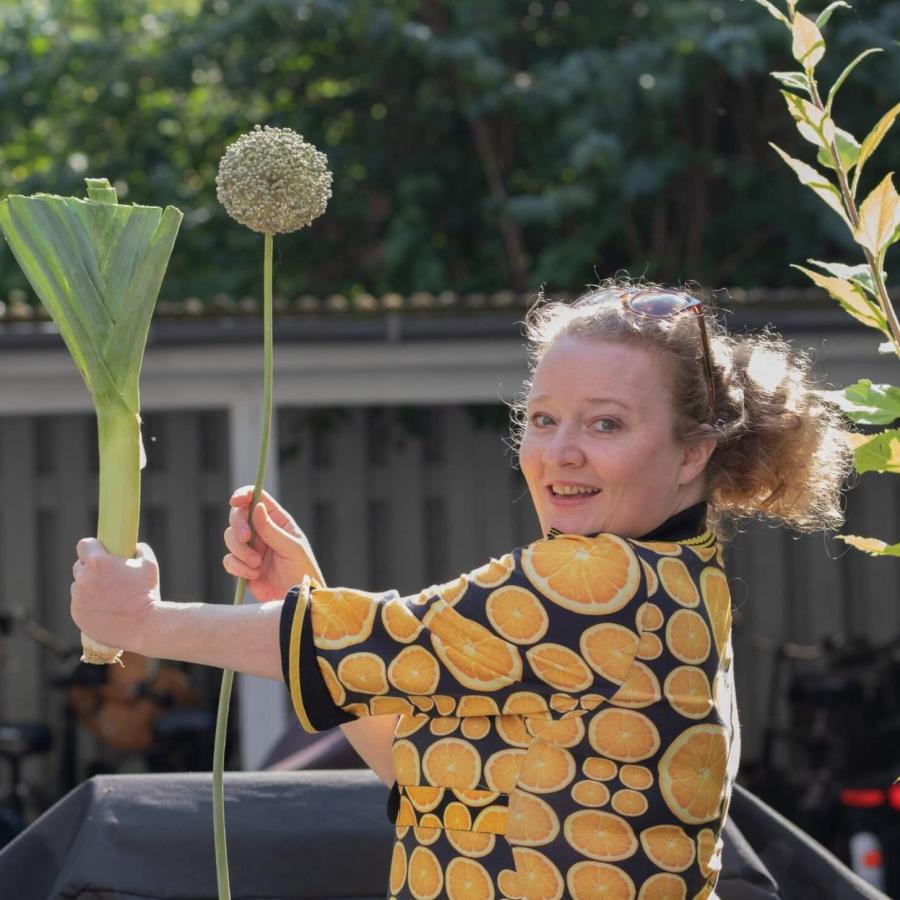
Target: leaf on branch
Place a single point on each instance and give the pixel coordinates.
(798, 81)
(877, 452)
(777, 13)
(861, 275)
(811, 121)
(816, 182)
(872, 546)
(825, 15)
(847, 148)
(866, 403)
(851, 297)
(808, 45)
(873, 139)
(845, 74)
(879, 217)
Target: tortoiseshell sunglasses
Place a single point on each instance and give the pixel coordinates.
(656, 304)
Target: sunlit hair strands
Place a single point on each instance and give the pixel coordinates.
(782, 452)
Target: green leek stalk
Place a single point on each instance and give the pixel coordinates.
(97, 267)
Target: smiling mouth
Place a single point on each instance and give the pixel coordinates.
(571, 492)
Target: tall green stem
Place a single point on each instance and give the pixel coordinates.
(222, 880)
(884, 299)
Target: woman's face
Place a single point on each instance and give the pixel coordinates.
(599, 416)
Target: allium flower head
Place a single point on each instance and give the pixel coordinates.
(273, 181)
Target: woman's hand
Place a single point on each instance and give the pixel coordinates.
(277, 557)
(112, 597)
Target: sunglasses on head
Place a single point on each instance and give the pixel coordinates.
(656, 304)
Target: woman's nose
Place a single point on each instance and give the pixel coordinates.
(564, 449)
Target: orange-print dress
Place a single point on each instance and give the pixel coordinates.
(567, 717)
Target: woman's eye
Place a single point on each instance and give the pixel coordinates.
(536, 419)
(606, 425)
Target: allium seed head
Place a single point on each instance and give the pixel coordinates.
(273, 181)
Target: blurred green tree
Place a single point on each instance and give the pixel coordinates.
(477, 145)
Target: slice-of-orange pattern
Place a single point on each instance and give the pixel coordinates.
(627, 802)
(687, 637)
(663, 886)
(692, 773)
(524, 703)
(363, 673)
(709, 852)
(467, 879)
(534, 695)
(650, 646)
(443, 726)
(599, 769)
(517, 615)
(600, 835)
(561, 732)
(717, 599)
(623, 734)
(559, 667)
(335, 688)
(398, 868)
(473, 655)
(687, 689)
(453, 763)
(501, 771)
(546, 769)
(425, 876)
(342, 617)
(475, 844)
(640, 688)
(677, 582)
(590, 793)
(538, 878)
(495, 572)
(649, 617)
(532, 821)
(610, 650)
(400, 622)
(640, 778)
(591, 576)
(472, 705)
(599, 881)
(414, 671)
(405, 760)
(668, 846)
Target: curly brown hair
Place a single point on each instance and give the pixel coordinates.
(782, 451)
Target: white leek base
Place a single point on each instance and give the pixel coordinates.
(98, 654)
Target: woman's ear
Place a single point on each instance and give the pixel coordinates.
(696, 456)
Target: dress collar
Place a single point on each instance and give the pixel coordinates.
(684, 525)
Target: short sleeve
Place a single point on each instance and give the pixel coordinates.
(550, 627)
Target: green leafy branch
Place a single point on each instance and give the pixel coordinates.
(874, 225)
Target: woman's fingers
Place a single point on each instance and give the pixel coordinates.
(240, 548)
(284, 543)
(242, 497)
(237, 519)
(233, 566)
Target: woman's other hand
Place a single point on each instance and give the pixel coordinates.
(111, 597)
(277, 557)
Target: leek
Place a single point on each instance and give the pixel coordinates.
(97, 267)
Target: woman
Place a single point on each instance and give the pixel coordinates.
(560, 721)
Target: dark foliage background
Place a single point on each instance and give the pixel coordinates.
(477, 145)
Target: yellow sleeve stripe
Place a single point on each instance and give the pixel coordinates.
(294, 661)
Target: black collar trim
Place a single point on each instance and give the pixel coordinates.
(688, 525)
